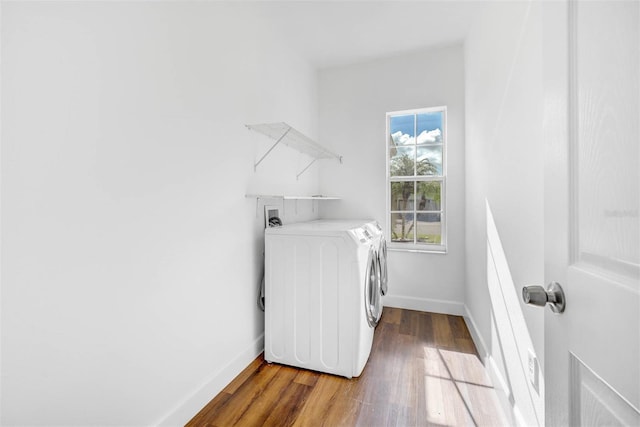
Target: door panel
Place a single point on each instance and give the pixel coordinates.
(602, 329)
(605, 116)
(596, 403)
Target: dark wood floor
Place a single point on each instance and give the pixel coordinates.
(423, 370)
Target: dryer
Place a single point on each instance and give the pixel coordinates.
(322, 302)
(380, 245)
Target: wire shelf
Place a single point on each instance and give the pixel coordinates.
(283, 133)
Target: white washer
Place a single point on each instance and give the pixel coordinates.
(321, 296)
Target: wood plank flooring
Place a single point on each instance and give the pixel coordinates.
(423, 371)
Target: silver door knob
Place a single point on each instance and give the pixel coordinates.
(553, 295)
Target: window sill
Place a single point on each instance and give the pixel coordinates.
(438, 250)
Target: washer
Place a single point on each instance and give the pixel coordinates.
(322, 302)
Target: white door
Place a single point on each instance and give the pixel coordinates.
(592, 227)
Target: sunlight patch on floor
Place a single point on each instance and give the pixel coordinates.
(457, 388)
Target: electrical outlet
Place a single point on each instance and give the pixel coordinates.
(271, 212)
(533, 369)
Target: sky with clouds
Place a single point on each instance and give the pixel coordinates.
(427, 127)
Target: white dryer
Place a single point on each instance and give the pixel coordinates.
(321, 297)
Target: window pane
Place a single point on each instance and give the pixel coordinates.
(402, 161)
(402, 196)
(402, 229)
(428, 195)
(429, 228)
(429, 128)
(429, 160)
(402, 130)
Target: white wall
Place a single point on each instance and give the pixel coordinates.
(130, 256)
(353, 101)
(504, 193)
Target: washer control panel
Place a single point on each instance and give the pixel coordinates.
(361, 235)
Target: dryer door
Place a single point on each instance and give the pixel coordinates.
(382, 259)
(378, 285)
(371, 291)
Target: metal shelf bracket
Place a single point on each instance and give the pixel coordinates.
(255, 166)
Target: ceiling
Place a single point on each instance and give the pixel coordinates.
(334, 32)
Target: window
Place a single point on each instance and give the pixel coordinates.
(416, 179)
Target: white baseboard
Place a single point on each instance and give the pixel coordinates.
(501, 386)
(424, 304)
(192, 404)
(481, 346)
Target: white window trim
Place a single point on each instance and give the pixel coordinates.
(413, 247)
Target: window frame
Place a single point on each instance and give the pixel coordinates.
(416, 246)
